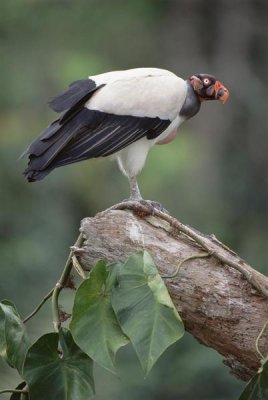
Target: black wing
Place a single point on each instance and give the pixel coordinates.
(77, 93)
(80, 134)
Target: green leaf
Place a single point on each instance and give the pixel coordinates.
(257, 388)
(145, 310)
(3, 345)
(14, 341)
(94, 325)
(51, 375)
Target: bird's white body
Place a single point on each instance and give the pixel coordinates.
(140, 92)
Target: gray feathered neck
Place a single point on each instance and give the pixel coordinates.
(192, 104)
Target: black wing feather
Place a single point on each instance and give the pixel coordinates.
(80, 133)
(87, 135)
(77, 93)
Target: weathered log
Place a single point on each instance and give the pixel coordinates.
(219, 307)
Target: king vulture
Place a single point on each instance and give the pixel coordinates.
(119, 114)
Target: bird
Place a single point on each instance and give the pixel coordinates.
(120, 115)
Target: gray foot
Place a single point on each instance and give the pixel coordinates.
(154, 205)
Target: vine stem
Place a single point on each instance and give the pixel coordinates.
(13, 391)
(194, 256)
(208, 242)
(61, 283)
(35, 311)
(258, 340)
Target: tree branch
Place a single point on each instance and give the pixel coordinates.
(208, 242)
(219, 307)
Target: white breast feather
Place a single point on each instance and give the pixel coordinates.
(132, 158)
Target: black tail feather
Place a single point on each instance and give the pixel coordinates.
(55, 137)
(33, 175)
(51, 142)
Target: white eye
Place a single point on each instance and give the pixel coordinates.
(206, 81)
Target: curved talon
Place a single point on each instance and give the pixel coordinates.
(149, 205)
(154, 205)
(136, 204)
(158, 206)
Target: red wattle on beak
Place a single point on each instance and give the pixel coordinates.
(221, 93)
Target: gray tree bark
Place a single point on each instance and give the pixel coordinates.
(219, 307)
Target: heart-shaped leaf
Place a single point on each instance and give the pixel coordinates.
(94, 325)
(14, 341)
(51, 375)
(144, 309)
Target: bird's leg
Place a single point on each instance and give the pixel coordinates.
(134, 189)
(135, 195)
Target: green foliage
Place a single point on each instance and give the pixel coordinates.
(14, 341)
(116, 304)
(145, 310)
(257, 388)
(94, 325)
(130, 297)
(52, 375)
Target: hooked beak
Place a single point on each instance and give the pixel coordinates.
(221, 93)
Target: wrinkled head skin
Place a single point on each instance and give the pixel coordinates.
(207, 87)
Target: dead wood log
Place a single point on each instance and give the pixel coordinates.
(219, 307)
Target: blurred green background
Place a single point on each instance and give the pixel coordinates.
(214, 176)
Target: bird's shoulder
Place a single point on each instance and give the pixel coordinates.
(150, 92)
(129, 74)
